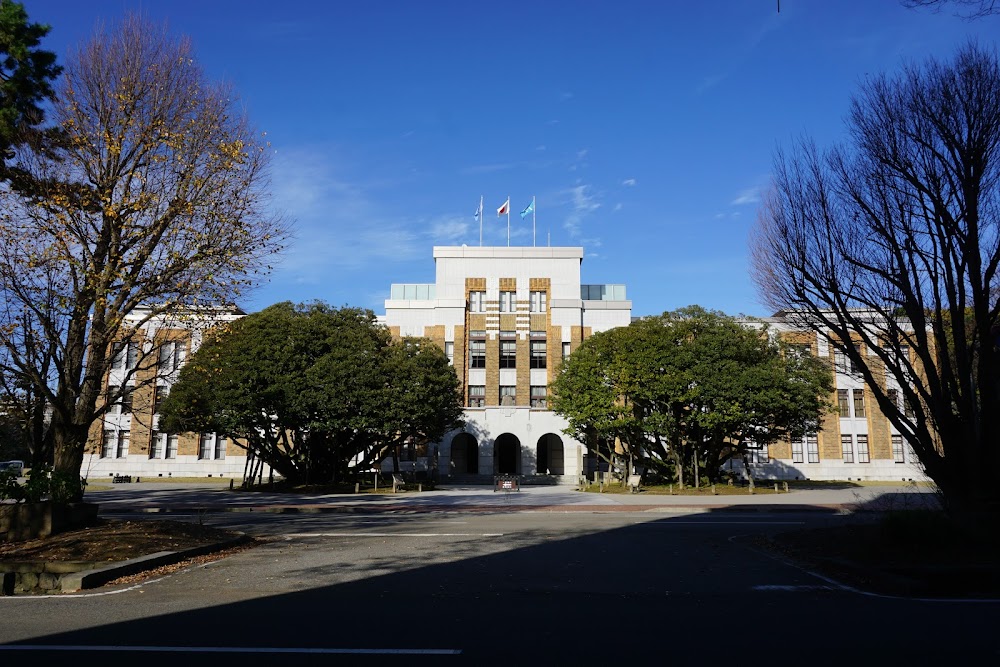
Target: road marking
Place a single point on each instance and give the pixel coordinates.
(791, 589)
(366, 534)
(672, 522)
(233, 649)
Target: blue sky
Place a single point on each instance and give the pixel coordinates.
(645, 129)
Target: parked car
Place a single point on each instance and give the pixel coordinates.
(17, 466)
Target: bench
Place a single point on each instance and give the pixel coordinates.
(398, 483)
(122, 479)
(634, 482)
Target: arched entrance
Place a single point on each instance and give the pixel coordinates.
(507, 453)
(464, 455)
(550, 459)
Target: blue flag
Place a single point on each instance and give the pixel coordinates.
(479, 211)
(530, 208)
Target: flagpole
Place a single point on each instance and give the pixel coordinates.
(508, 221)
(481, 212)
(533, 207)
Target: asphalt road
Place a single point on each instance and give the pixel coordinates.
(498, 588)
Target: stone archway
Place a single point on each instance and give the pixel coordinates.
(464, 455)
(507, 455)
(550, 459)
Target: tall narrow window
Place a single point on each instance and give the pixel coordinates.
(538, 354)
(797, 451)
(859, 402)
(126, 400)
(538, 396)
(205, 446)
(107, 444)
(220, 447)
(124, 356)
(508, 302)
(897, 449)
(114, 400)
(565, 351)
(449, 351)
(123, 442)
(156, 445)
(508, 350)
(477, 302)
(893, 396)
(477, 396)
(843, 402)
(863, 449)
(847, 448)
(171, 356)
(171, 446)
(477, 349)
(538, 300)
(812, 448)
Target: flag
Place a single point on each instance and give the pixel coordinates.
(530, 208)
(505, 209)
(479, 211)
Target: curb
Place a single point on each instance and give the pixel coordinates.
(100, 576)
(477, 509)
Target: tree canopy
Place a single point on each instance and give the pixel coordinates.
(154, 200)
(689, 389)
(889, 246)
(311, 389)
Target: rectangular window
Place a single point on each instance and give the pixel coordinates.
(812, 448)
(172, 446)
(538, 300)
(205, 446)
(538, 396)
(126, 400)
(538, 354)
(114, 400)
(847, 448)
(908, 409)
(449, 351)
(123, 442)
(758, 453)
(171, 356)
(859, 402)
(508, 302)
(477, 302)
(107, 444)
(220, 448)
(508, 353)
(160, 393)
(477, 352)
(565, 351)
(124, 356)
(477, 396)
(508, 395)
(798, 455)
(893, 396)
(155, 445)
(843, 401)
(897, 449)
(863, 449)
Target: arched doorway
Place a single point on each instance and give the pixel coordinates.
(507, 450)
(464, 455)
(550, 459)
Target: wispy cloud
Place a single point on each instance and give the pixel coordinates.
(619, 206)
(747, 196)
(629, 182)
(449, 230)
(583, 203)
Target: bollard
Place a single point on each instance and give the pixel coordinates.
(786, 486)
(420, 488)
(713, 490)
(671, 489)
(231, 484)
(357, 487)
(775, 487)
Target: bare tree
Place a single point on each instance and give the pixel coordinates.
(892, 242)
(158, 199)
(970, 9)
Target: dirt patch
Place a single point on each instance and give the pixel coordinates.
(112, 541)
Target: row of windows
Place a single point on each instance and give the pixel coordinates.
(850, 445)
(125, 356)
(537, 351)
(537, 301)
(508, 396)
(115, 444)
(120, 398)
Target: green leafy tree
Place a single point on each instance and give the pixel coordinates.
(689, 388)
(311, 389)
(154, 200)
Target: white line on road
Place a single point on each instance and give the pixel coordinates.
(366, 534)
(791, 588)
(233, 649)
